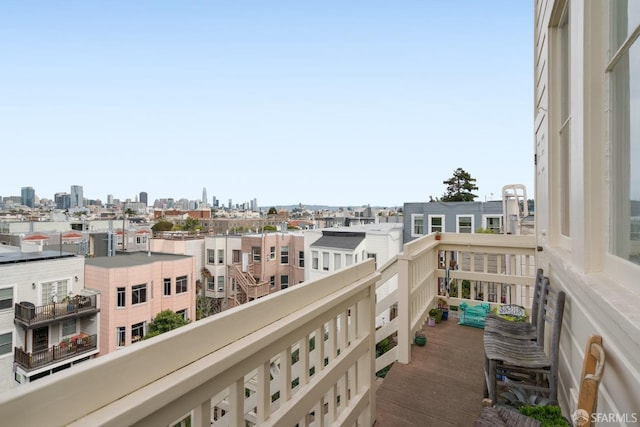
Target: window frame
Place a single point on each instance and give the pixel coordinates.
(182, 284)
(139, 294)
(9, 304)
(432, 228)
(471, 226)
(414, 225)
(121, 296)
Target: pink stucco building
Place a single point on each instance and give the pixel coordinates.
(134, 288)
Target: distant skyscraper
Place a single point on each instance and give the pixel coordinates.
(230, 203)
(76, 196)
(205, 201)
(214, 202)
(255, 205)
(63, 200)
(110, 199)
(28, 196)
(143, 198)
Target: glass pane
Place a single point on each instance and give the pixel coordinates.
(625, 173)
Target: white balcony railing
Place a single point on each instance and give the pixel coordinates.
(288, 358)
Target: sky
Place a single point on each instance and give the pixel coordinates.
(341, 103)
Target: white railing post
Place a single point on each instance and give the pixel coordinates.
(404, 311)
(365, 375)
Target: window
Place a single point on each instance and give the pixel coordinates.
(493, 223)
(314, 260)
(417, 225)
(183, 313)
(272, 253)
(284, 255)
(137, 332)
(465, 224)
(220, 256)
(256, 253)
(348, 259)
(301, 259)
(436, 223)
(6, 343)
(211, 256)
(141, 239)
(337, 261)
(624, 168)
(69, 327)
(272, 281)
(121, 297)
(54, 291)
(181, 284)
(121, 335)
(211, 283)
(237, 256)
(284, 281)
(166, 286)
(139, 294)
(6, 298)
(564, 121)
(220, 283)
(325, 261)
(375, 259)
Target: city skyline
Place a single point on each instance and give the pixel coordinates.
(339, 103)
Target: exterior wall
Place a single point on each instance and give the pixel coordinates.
(602, 289)
(153, 273)
(26, 278)
(450, 211)
(273, 267)
(227, 244)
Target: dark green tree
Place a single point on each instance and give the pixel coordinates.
(162, 225)
(165, 321)
(191, 224)
(272, 211)
(460, 187)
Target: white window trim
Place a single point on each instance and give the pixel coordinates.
(435, 216)
(485, 217)
(13, 342)
(13, 298)
(473, 229)
(413, 222)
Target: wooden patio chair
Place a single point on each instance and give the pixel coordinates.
(592, 368)
(526, 360)
(518, 330)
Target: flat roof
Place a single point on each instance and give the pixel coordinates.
(132, 259)
(16, 257)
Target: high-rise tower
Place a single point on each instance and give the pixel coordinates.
(76, 196)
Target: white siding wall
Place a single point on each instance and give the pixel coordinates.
(601, 299)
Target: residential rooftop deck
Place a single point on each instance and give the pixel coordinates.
(442, 386)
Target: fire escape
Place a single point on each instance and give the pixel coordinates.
(246, 287)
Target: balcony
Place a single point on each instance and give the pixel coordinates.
(30, 316)
(76, 346)
(290, 357)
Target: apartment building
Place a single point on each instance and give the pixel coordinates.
(48, 320)
(135, 288)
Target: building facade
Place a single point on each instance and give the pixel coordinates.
(587, 151)
(135, 287)
(48, 320)
(28, 196)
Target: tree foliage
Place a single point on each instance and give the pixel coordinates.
(162, 225)
(165, 321)
(460, 187)
(272, 211)
(191, 224)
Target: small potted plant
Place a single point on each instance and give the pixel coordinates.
(420, 339)
(444, 307)
(436, 313)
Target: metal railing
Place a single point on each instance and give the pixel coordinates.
(64, 350)
(30, 315)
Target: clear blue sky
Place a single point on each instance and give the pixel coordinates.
(313, 102)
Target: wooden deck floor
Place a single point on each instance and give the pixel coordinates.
(443, 384)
